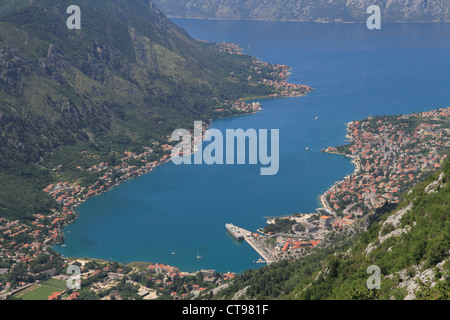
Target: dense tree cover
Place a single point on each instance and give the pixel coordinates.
(439, 292)
(274, 281)
(281, 226)
(47, 261)
(21, 192)
(127, 291)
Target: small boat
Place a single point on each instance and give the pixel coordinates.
(307, 149)
(199, 256)
(260, 260)
(173, 253)
(316, 118)
(63, 245)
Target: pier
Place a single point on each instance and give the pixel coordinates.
(259, 246)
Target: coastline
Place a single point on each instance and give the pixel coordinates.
(354, 161)
(148, 169)
(301, 20)
(323, 198)
(388, 159)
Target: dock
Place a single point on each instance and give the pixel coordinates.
(258, 245)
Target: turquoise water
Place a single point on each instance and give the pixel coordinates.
(355, 72)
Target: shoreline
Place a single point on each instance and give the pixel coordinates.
(355, 159)
(303, 20)
(322, 197)
(148, 169)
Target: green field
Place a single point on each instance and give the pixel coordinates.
(42, 290)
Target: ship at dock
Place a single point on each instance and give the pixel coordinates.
(234, 231)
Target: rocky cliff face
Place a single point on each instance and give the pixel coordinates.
(308, 10)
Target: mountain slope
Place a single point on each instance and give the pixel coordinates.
(126, 80)
(411, 246)
(307, 10)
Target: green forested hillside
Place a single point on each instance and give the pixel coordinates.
(410, 246)
(127, 79)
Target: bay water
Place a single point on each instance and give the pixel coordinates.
(183, 209)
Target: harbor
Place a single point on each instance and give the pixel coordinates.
(256, 241)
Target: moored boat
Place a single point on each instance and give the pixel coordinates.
(234, 231)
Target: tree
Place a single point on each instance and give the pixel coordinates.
(19, 273)
(441, 291)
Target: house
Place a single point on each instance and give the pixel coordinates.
(209, 275)
(55, 296)
(143, 293)
(324, 221)
(115, 276)
(309, 227)
(74, 296)
(228, 275)
(195, 287)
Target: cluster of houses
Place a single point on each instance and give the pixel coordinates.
(292, 244)
(238, 106)
(247, 107)
(311, 234)
(165, 275)
(58, 296)
(287, 89)
(390, 154)
(230, 48)
(46, 230)
(13, 248)
(171, 272)
(278, 74)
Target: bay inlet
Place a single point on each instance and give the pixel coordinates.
(184, 209)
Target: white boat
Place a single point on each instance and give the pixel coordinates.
(199, 256)
(260, 260)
